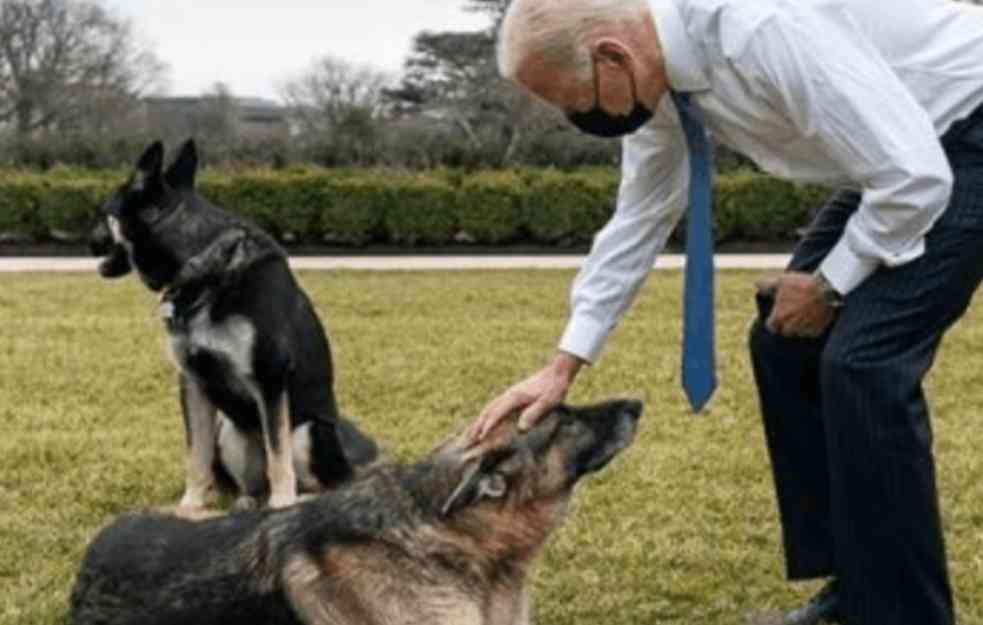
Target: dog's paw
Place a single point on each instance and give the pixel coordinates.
(282, 500)
(245, 503)
(192, 501)
(189, 514)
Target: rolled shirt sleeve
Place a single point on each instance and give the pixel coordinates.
(836, 88)
(651, 199)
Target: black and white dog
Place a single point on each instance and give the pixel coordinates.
(243, 334)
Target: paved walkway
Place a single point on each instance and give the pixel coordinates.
(419, 263)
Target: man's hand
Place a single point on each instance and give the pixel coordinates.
(799, 311)
(535, 396)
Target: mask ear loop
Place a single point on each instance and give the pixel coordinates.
(597, 86)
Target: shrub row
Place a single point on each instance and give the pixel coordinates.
(360, 207)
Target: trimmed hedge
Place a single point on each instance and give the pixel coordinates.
(569, 207)
(491, 206)
(357, 207)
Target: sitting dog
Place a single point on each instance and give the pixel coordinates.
(243, 334)
(446, 541)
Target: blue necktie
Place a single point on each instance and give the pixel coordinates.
(699, 364)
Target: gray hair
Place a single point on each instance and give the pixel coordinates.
(558, 30)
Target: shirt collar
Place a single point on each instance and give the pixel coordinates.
(686, 64)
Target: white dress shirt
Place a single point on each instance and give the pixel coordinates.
(839, 92)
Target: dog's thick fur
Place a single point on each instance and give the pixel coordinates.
(243, 334)
(447, 541)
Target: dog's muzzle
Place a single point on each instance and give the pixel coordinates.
(103, 243)
(100, 238)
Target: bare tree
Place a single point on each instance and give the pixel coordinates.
(334, 94)
(58, 57)
(215, 118)
(338, 109)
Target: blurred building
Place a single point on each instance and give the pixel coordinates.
(248, 119)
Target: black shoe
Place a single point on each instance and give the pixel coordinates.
(823, 608)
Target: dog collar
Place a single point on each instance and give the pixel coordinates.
(176, 308)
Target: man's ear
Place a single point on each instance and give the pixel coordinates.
(474, 486)
(148, 173)
(612, 53)
(181, 174)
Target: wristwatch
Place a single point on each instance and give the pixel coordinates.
(827, 294)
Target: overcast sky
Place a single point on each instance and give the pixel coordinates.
(252, 45)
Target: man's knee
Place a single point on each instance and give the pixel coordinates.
(875, 405)
(848, 370)
(867, 361)
(839, 363)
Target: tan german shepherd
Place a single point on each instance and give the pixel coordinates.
(446, 541)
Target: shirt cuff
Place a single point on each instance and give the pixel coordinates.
(584, 338)
(845, 269)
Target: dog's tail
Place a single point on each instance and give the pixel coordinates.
(339, 448)
(359, 448)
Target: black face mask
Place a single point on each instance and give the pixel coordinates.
(600, 123)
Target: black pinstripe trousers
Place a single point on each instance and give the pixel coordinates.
(846, 421)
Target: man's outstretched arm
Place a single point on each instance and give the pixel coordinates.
(651, 199)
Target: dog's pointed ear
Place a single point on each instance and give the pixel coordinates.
(148, 173)
(474, 486)
(152, 160)
(181, 174)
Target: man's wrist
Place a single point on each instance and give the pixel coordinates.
(826, 291)
(845, 269)
(567, 365)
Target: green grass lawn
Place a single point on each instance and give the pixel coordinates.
(682, 529)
